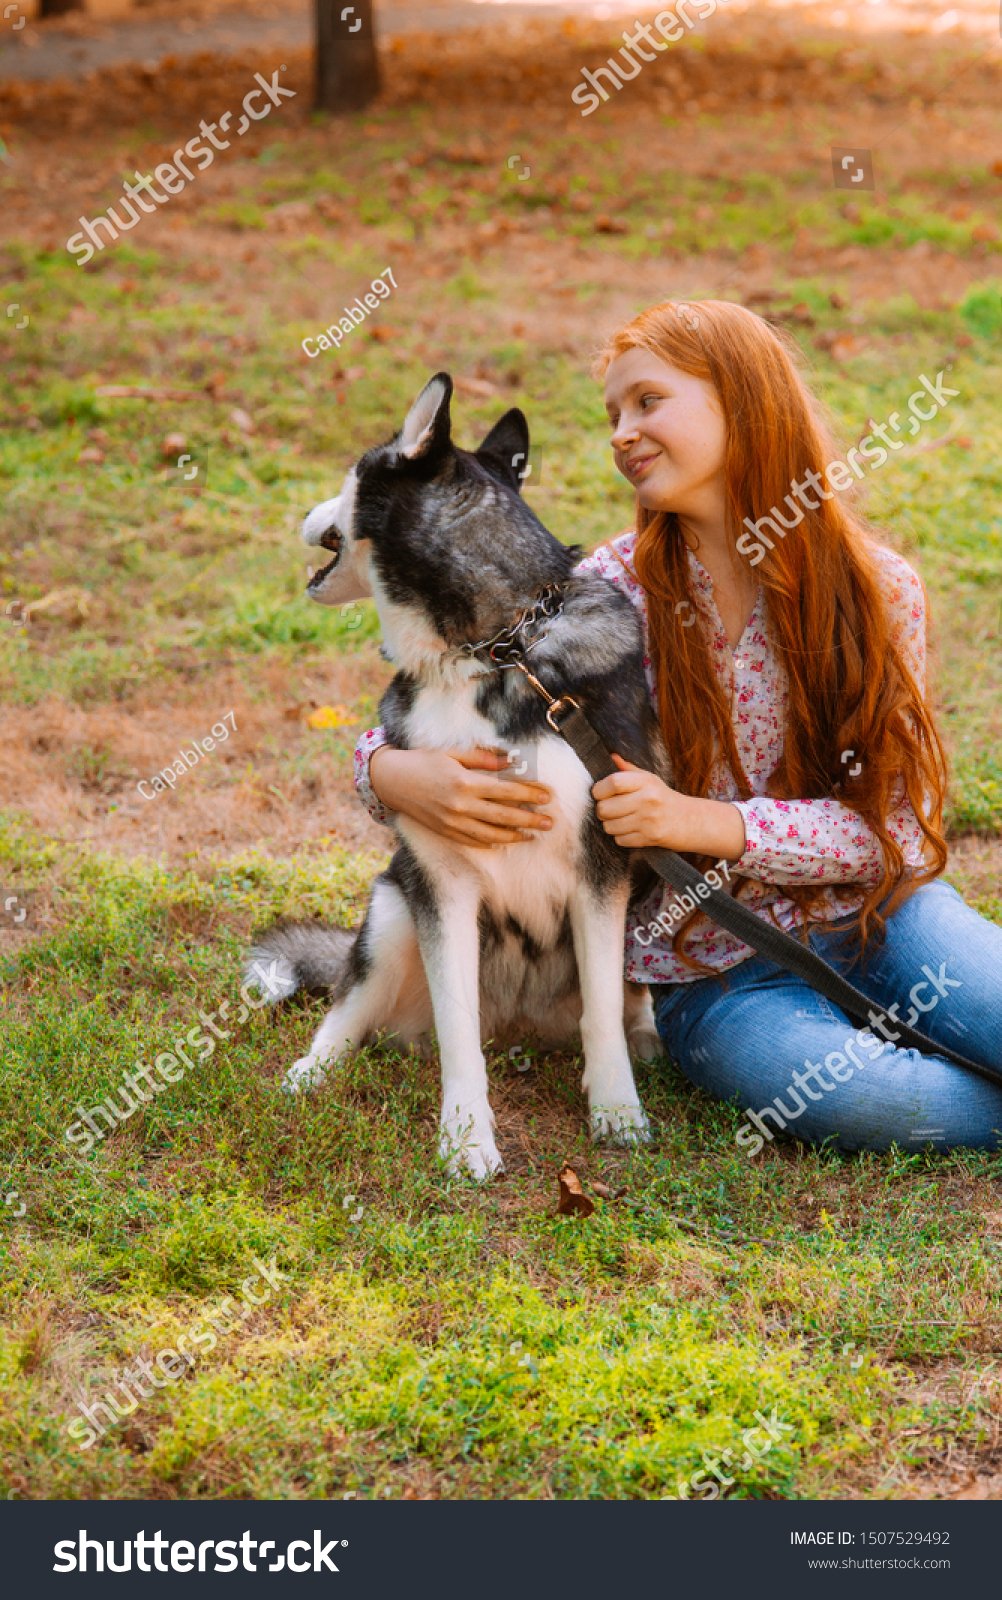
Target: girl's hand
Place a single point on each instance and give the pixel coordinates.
(638, 810)
(459, 794)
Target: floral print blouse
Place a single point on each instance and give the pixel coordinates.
(787, 841)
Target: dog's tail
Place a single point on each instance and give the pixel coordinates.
(299, 955)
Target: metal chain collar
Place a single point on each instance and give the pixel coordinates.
(509, 646)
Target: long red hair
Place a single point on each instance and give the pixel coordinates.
(849, 687)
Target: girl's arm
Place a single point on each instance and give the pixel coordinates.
(368, 744)
(775, 841)
(820, 841)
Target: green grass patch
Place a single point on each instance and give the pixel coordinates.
(426, 1336)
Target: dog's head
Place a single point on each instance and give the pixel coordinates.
(428, 529)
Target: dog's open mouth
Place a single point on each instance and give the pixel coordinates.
(330, 540)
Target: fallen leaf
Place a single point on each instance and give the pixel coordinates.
(601, 1189)
(97, 435)
(290, 214)
(327, 207)
(573, 1200)
(173, 442)
(136, 1441)
(352, 374)
(846, 345)
(476, 388)
(243, 420)
(835, 300)
(92, 453)
(985, 231)
(331, 717)
(605, 224)
(474, 152)
(383, 332)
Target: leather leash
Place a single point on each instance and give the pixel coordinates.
(566, 718)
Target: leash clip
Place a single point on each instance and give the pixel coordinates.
(555, 706)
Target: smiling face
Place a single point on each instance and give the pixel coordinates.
(668, 435)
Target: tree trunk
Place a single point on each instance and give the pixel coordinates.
(59, 8)
(347, 66)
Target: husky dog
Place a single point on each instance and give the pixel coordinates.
(481, 943)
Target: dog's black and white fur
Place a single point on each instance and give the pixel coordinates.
(490, 943)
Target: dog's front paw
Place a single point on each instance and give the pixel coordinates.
(304, 1075)
(620, 1125)
(466, 1144)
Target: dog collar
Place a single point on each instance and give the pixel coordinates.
(508, 647)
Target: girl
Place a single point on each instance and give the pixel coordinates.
(786, 654)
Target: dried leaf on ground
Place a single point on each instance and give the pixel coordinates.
(476, 388)
(331, 717)
(573, 1200)
(845, 346)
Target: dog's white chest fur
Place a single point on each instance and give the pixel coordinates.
(531, 882)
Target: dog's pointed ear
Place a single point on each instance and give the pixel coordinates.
(427, 427)
(505, 451)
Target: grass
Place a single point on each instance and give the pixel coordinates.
(429, 1337)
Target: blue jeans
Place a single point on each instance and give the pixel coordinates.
(795, 1062)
